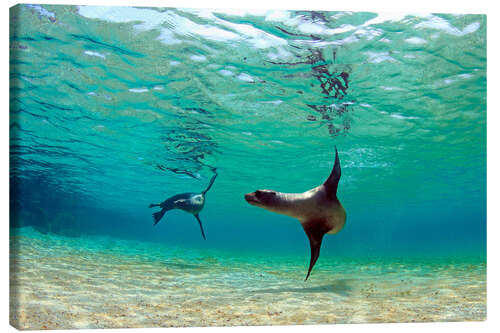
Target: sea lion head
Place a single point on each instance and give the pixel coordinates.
(263, 198)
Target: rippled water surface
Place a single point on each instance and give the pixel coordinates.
(113, 108)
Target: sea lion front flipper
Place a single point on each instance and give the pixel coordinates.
(315, 231)
(332, 182)
(211, 182)
(201, 226)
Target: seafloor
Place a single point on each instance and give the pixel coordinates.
(63, 283)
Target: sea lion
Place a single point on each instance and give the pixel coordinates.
(189, 202)
(318, 210)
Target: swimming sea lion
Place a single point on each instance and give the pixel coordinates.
(189, 202)
(318, 210)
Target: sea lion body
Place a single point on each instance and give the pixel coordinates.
(192, 203)
(189, 202)
(318, 210)
(310, 205)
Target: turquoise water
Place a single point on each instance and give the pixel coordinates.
(114, 108)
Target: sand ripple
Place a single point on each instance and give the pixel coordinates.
(63, 284)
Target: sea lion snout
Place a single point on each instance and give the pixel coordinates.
(261, 197)
(251, 198)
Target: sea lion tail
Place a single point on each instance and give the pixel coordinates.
(158, 216)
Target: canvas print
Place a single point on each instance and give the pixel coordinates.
(215, 167)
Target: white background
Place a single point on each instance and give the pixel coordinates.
(435, 6)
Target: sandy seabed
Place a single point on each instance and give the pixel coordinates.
(58, 283)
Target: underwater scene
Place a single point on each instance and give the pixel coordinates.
(178, 167)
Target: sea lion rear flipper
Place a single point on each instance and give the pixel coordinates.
(201, 226)
(158, 215)
(333, 180)
(315, 231)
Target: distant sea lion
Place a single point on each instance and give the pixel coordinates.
(189, 202)
(318, 210)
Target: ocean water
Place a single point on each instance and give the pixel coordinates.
(114, 108)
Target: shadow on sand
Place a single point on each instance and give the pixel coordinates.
(186, 266)
(340, 287)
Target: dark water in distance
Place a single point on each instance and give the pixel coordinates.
(113, 108)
